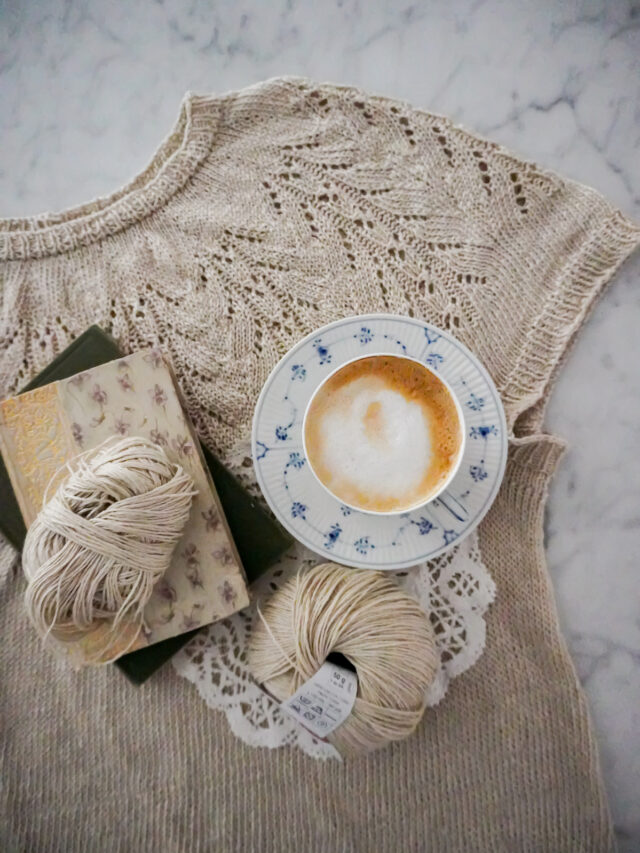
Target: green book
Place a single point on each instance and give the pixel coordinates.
(259, 539)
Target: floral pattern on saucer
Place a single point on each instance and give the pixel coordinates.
(318, 520)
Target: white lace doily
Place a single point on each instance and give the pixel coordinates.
(455, 589)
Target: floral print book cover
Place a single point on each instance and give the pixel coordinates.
(138, 395)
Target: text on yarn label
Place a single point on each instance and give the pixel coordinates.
(325, 701)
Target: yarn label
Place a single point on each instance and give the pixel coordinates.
(325, 701)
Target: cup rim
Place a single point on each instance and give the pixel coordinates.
(448, 479)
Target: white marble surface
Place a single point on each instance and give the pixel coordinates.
(88, 88)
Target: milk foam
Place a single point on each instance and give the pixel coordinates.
(375, 438)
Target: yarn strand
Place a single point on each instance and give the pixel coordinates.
(366, 617)
(102, 541)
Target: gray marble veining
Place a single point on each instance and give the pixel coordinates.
(88, 88)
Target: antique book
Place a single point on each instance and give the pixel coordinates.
(43, 429)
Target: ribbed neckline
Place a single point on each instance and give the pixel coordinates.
(174, 163)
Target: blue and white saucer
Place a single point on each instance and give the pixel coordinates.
(317, 519)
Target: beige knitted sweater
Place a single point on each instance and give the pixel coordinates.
(265, 214)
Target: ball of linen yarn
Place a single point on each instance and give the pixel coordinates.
(366, 617)
(96, 549)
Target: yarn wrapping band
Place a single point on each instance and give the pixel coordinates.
(366, 617)
(100, 544)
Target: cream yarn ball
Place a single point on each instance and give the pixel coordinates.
(366, 617)
(96, 549)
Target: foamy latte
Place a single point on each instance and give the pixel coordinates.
(383, 433)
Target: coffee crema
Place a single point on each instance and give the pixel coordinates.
(383, 433)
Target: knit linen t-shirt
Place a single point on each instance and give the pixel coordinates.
(266, 214)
